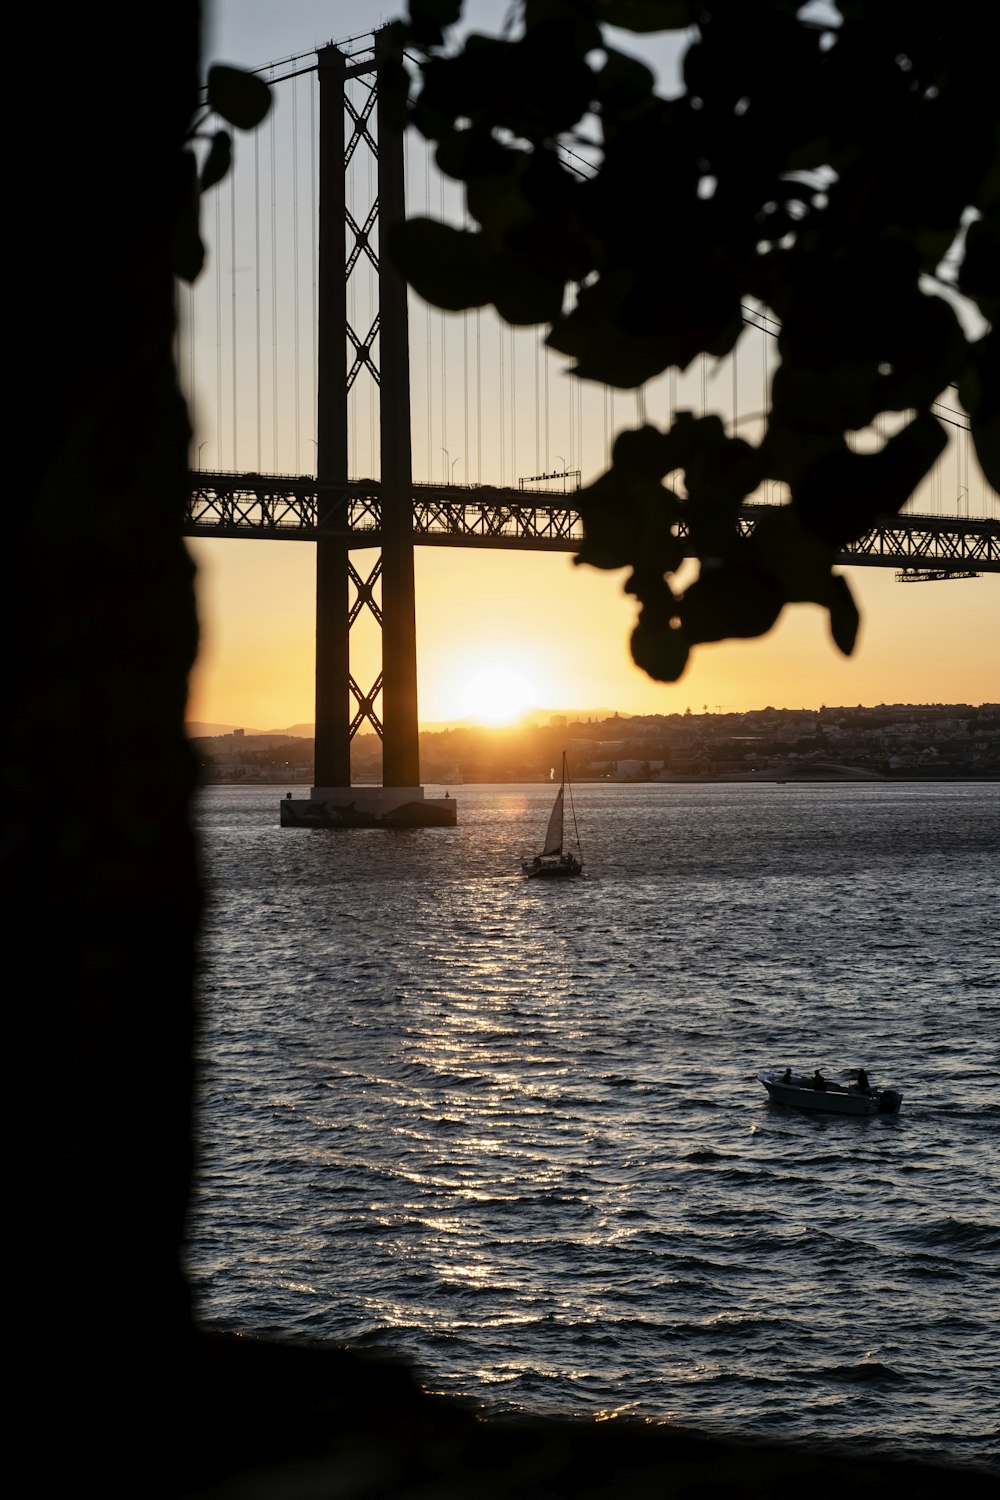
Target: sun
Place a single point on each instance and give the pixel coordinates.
(497, 694)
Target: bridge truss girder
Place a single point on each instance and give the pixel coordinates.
(289, 508)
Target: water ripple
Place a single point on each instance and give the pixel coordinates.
(516, 1135)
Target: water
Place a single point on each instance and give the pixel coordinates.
(512, 1131)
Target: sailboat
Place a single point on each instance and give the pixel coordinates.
(554, 860)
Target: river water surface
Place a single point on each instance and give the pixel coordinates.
(512, 1131)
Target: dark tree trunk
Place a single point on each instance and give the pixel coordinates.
(100, 862)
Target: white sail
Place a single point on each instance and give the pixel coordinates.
(554, 832)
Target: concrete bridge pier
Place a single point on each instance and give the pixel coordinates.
(369, 807)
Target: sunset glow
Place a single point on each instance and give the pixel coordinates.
(482, 656)
(496, 694)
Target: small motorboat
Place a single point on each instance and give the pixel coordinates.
(799, 1091)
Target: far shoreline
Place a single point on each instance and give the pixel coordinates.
(988, 777)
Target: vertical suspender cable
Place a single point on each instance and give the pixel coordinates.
(190, 334)
(466, 464)
(571, 447)
(763, 400)
(295, 255)
(503, 402)
(605, 413)
(548, 465)
(218, 328)
(274, 301)
(427, 320)
(963, 450)
(407, 147)
(256, 253)
(581, 464)
(574, 430)
(444, 355)
(314, 242)
(538, 455)
(513, 410)
(232, 297)
(640, 406)
(736, 398)
(479, 395)
(444, 391)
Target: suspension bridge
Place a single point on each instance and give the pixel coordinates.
(316, 345)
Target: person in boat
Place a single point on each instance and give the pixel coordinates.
(786, 1077)
(864, 1087)
(819, 1082)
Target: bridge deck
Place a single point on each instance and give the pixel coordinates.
(297, 508)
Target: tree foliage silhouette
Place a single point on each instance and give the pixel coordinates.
(242, 100)
(836, 164)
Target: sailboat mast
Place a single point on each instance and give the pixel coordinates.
(572, 805)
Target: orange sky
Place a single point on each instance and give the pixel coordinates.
(564, 632)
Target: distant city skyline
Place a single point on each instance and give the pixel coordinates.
(833, 743)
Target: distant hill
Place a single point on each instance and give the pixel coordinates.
(199, 731)
(209, 731)
(542, 716)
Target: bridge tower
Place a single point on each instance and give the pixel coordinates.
(400, 800)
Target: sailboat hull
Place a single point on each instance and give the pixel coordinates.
(556, 868)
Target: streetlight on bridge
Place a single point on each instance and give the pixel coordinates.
(450, 463)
